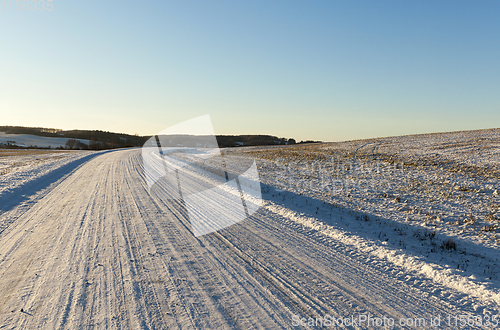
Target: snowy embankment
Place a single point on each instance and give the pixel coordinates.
(26, 174)
(18, 167)
(480, 293)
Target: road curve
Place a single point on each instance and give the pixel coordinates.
(98, 251)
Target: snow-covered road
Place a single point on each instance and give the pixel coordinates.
(95, 250)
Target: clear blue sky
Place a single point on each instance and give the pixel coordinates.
(326, 70)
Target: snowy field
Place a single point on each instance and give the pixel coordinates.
(27, 140)
(431, 201)
(20, 166)
(402, 231)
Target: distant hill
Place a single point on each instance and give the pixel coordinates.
(25, 141)
(98, 140)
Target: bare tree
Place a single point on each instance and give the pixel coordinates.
(71, 143)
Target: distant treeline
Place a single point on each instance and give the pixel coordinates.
(99, 140)
(225, 141)
(13, 145)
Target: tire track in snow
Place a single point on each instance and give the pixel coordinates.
(178, 231)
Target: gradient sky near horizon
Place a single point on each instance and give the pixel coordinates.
(320, 70)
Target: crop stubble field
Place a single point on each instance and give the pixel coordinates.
(446, 182)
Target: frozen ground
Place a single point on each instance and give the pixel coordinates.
(85, 245)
